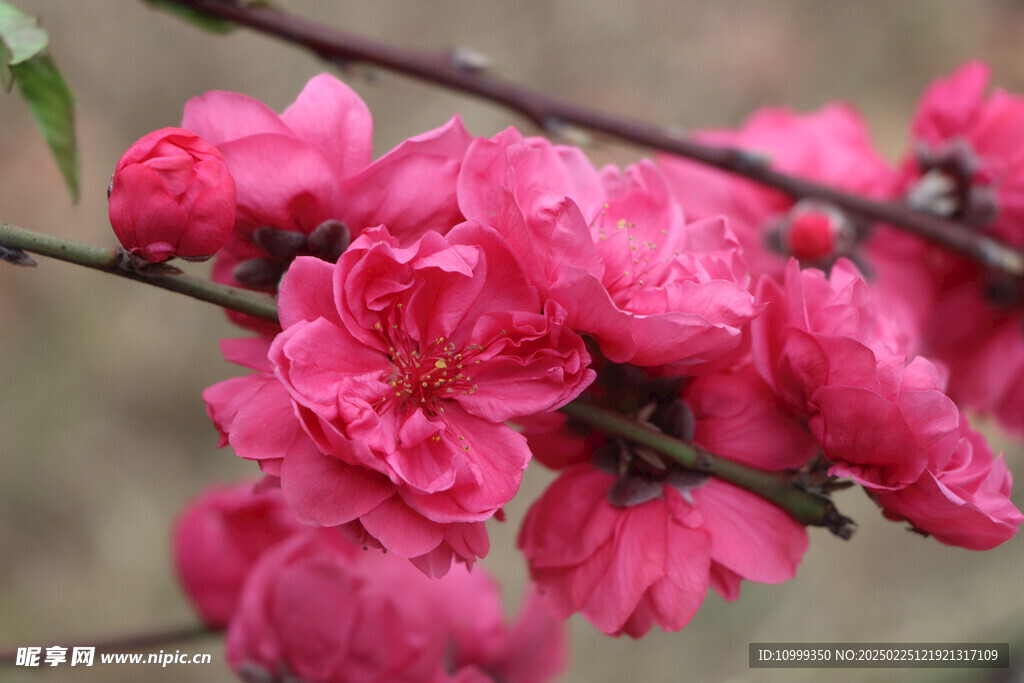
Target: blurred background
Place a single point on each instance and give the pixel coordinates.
(103, 435)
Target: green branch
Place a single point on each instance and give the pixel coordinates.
(116, 262)
(776, 487)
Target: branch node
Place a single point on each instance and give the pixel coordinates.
(470, 61)
(567, 133)
(129, 263)
(745, 161)
(16, 257)
(1001, 257)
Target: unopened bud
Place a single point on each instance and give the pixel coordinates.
(281, 244)
(330, 240)
(172, 195)
(677, 419)
(816, 231)
(628, 491)
(258, 273)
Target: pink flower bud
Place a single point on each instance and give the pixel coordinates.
(171, 195)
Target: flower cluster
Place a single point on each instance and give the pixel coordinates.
(440, 304)
(305, 603)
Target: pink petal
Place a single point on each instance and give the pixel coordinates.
(307, 293)
(411, 189)
(282, 181)
(749, 535)
(332, 118)
(402, 531)
(220, 117)
(325, 491)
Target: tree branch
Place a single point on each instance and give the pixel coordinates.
(447, 69)
(116, 262)
(776, 487)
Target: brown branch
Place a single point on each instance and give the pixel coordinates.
(449, 69)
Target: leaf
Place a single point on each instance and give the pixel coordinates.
(21, 39)
(193, 17)
(6, 77)
(21, 33)
(53, 107)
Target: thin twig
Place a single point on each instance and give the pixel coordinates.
(444, 68)
(775, 487)
(114, 261)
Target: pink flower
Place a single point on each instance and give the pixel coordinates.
(881, 417)
(172, 195)
(625, 568)
(968, 161)
(830, 146)
(319, 609)
(628, 538)
(243, 408)
(306, 184)
(401, 364)
(288, 168)
(738, 416)
(964, 503)
(967, 164)
(217, 539)
(612, 248)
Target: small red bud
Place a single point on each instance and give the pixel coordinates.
(171, 195)
(811, 236)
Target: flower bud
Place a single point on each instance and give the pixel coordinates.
(171, 195)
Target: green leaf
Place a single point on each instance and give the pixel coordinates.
(194, 17)
(21, 33)
(53, 107)
(21, 39)
(6, 77)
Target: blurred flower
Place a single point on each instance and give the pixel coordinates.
(171, 195)
(217, 539)
(968, 158)
(830, 146)
(966, 164)
(318, 609)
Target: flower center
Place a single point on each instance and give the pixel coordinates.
(426, 374)
(634, 261)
